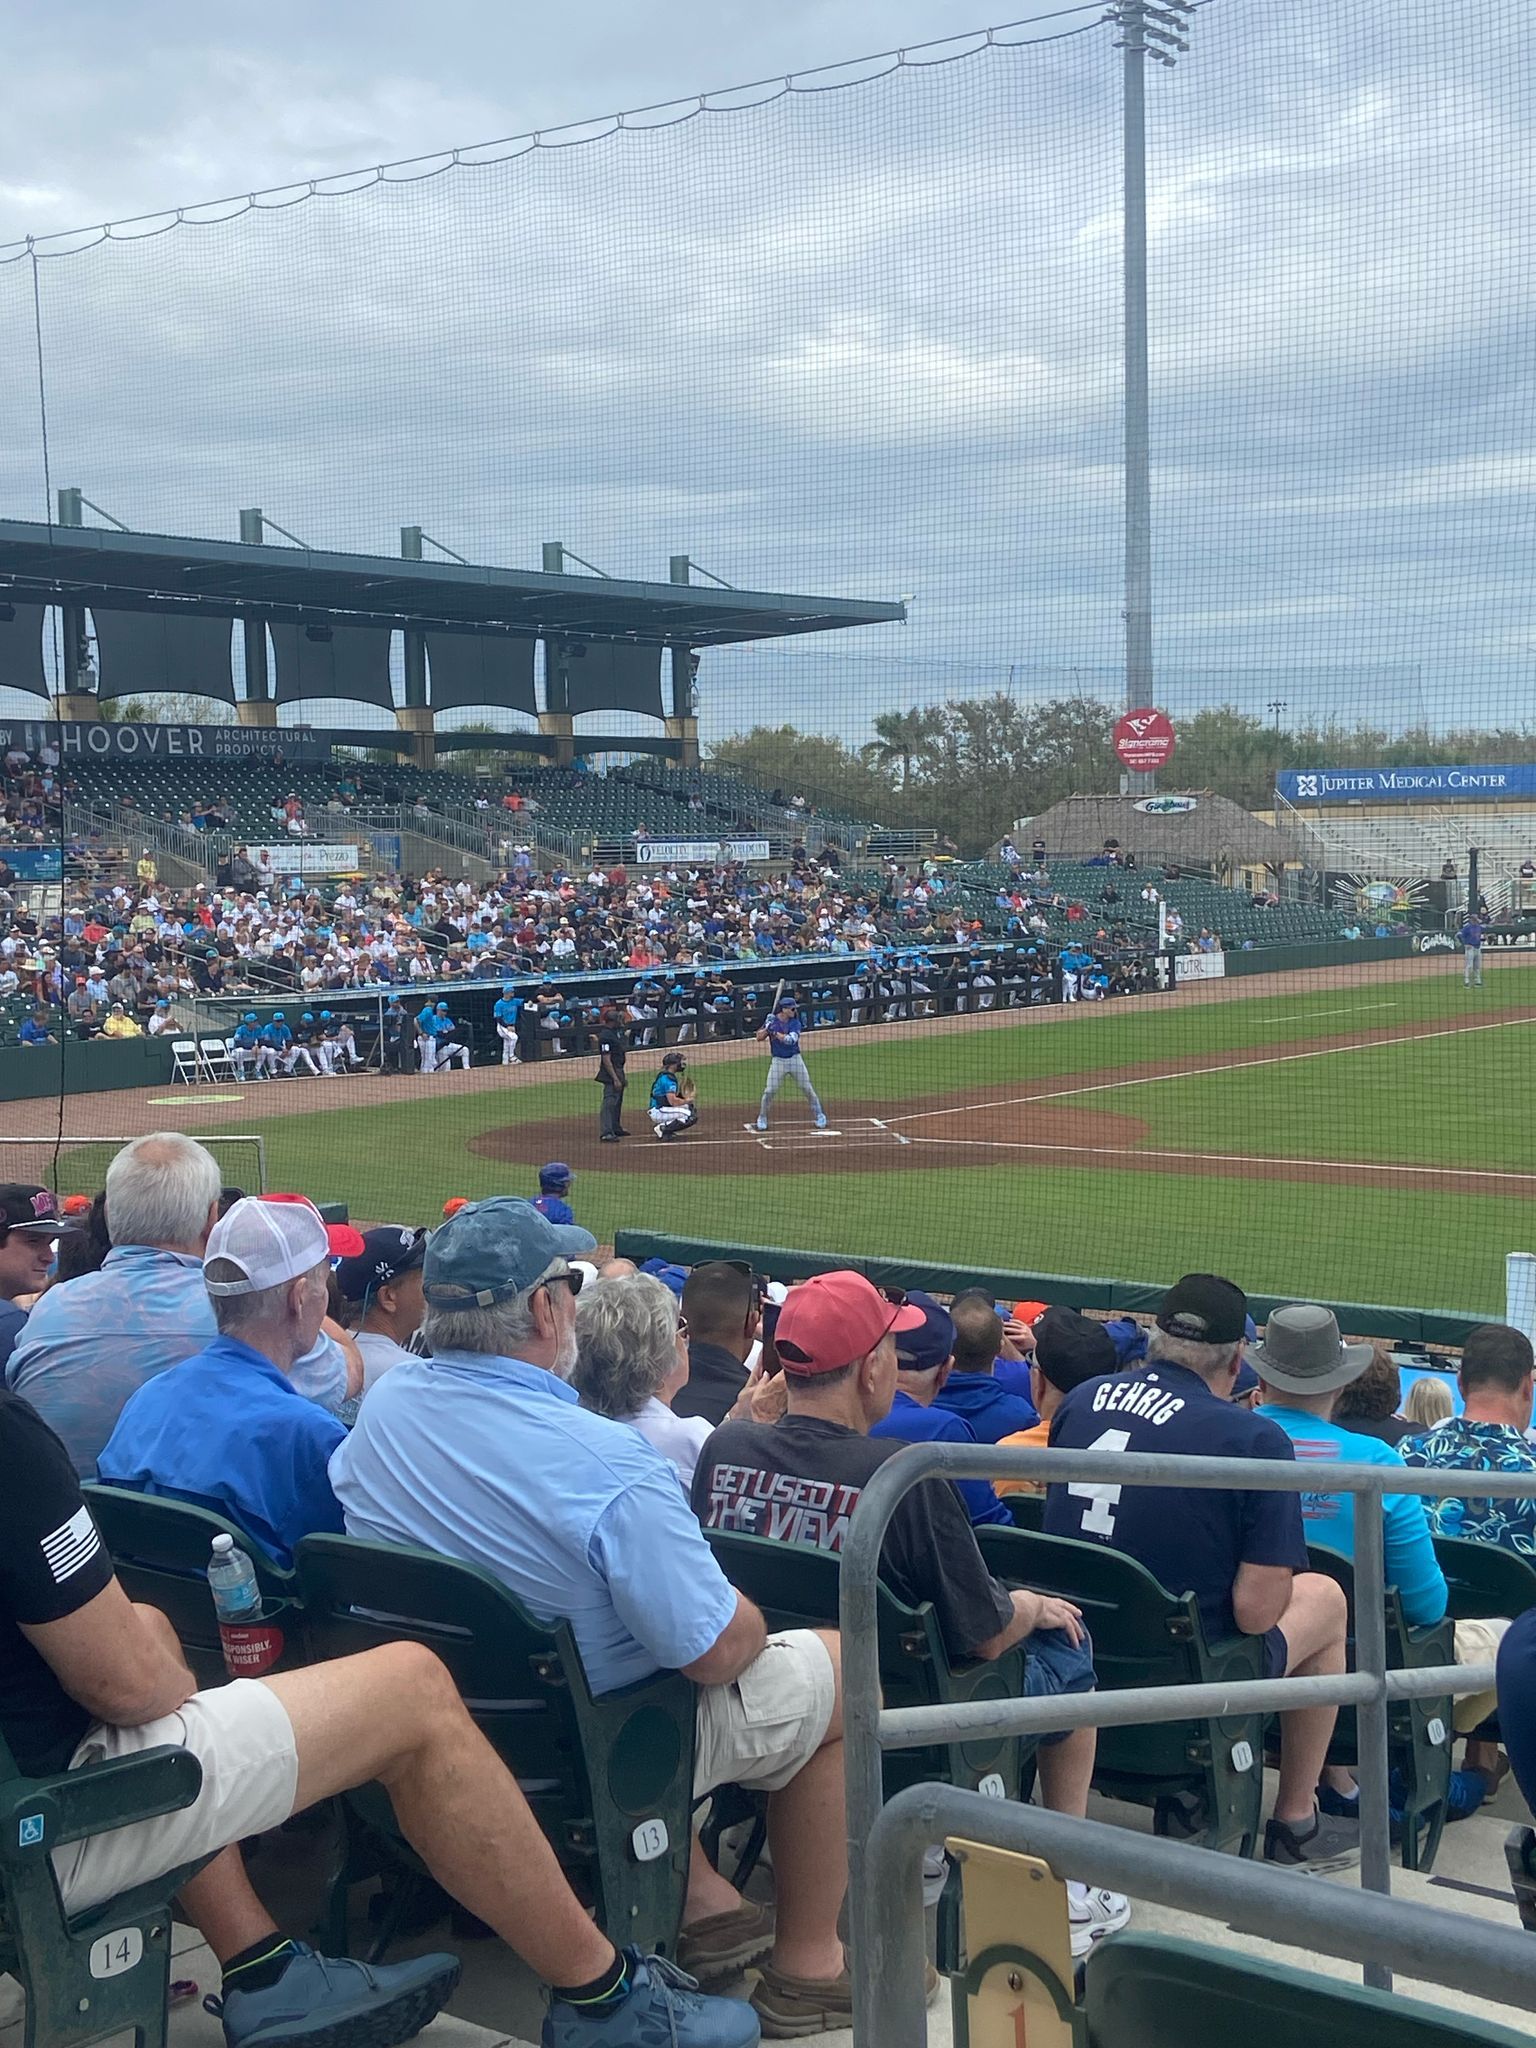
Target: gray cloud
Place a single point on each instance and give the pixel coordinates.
(864, 341)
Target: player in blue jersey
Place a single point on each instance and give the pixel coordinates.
(782, 1035)
(505, 1013)
(672, 1109)
(275, 1041)
(245, 1047)
(555, 1182)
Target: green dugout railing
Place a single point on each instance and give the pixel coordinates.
(1405, 1326)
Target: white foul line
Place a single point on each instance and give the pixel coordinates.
(879, 1126)
(1218, 1158)
(1280, 1059)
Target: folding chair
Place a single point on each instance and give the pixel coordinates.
(217, 1064)
(184, 1061)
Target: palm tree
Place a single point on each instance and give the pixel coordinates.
(900, 736)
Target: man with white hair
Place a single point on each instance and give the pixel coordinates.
(483, 1452)
(93, 1341)
(226, 1428)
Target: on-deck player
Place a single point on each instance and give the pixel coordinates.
(782, 1033)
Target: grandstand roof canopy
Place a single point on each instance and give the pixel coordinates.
(145, 571)
(1214, 829)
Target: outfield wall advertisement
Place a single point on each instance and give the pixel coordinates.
(1405, 785)
(1200, 967)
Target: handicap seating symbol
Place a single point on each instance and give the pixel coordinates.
(30, 1831)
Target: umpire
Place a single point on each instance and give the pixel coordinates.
(612, 1050)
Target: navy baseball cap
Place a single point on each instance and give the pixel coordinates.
(921, 1349)
(1204, 1309)
(555, 1176)
(488, 1251)
(389, 1251)
(1071, 1348)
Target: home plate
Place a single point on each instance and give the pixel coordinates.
(829, 1134)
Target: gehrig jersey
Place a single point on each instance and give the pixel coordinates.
(783, 1039)
(1191, 1539)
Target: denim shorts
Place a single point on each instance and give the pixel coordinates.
(1053, 1663)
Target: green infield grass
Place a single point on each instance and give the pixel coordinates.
(1460, 1100)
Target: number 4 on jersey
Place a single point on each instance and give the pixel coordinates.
(1099, 1515)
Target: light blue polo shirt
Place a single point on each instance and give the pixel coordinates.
(494, 1461)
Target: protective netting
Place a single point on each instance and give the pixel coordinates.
(865, 339)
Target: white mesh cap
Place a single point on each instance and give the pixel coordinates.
(269, 1241)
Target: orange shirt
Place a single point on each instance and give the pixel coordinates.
(1023, 1439)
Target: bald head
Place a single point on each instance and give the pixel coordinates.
(978, 1331)
(616, 1269)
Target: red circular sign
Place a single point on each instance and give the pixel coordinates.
(1143, 740)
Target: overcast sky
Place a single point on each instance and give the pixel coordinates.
(861, 342)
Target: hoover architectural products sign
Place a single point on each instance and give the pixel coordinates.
(90, 740)
(1404, 785)
(1143, 740)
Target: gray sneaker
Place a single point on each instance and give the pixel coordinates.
(1329, 1844)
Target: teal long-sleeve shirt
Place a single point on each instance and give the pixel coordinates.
(1330, 1517)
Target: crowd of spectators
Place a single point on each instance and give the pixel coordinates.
(126, 949)
(495, 1391)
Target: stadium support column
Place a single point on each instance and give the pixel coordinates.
(555, 718)
(257, 707)
(76, 699)
(414, 717)
(683, 725)
(1142, 37)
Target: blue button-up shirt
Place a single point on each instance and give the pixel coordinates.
(492, 1460)
(93, 1341)
(228, 1430)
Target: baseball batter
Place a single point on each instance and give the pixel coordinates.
(782, 1035)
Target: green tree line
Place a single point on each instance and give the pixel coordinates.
(972, 767)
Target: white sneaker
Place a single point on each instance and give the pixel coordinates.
(1093, 1914)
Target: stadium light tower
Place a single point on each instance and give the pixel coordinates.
(1155, 32)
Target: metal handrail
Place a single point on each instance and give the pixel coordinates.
(884, 1843)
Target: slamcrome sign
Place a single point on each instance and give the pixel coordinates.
(89, 740)
(1403, 785)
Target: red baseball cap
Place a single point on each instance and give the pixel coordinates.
(835, 1318)
(345, 1240)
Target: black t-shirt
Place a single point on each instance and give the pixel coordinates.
(51, 1563)
(612, 1041)
(715, 1377)
(799, 1480)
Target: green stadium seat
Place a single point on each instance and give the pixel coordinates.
(1482, 1580)
(88, 1976)
(609, 1780)
(1145, 1989)
(1419, 1746)
(797, 1587)
(1202, 1778)
(161, 1550)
